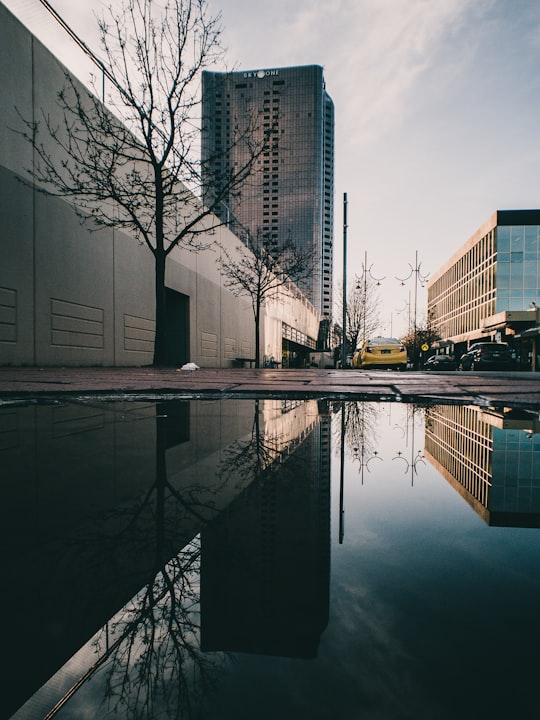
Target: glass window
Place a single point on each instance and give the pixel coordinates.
(529, 275)
(516, 274)
(503, 275)
(503, 239)
(516, 238)
(531, 238)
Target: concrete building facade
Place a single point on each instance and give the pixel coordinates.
(490, 288)
(69, 296)
(289, 196)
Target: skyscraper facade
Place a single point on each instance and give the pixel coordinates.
(289, 195)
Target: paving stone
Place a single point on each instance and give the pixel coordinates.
(48, 384)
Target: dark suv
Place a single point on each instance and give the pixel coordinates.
(487, 356)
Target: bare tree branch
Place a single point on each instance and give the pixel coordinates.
(363, 317)
(135, 164)
(256, 273)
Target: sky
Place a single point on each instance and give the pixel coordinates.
(437, 109)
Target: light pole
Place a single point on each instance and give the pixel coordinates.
(418, 278)
(344, 329)
(361, 284)
(406, 308)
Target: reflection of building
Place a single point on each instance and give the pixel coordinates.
(266, 561)
(489, 289)
(98, 496)
(491, 458)
(292, 196)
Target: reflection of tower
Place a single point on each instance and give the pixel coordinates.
(265, 562)
(492, 458)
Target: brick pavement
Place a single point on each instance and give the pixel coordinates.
(48, 384)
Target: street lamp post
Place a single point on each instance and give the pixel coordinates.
(418, 278)
(362, 281)
(406, 308)
(344, 329)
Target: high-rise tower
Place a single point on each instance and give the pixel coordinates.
(289, 195)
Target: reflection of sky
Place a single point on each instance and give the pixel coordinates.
(432, 613)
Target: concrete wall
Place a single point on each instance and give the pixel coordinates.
(69, 296)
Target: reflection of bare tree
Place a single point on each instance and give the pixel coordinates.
(149, 654)
(356, 433)
(258, 456)
(360, 427)
(154, 665)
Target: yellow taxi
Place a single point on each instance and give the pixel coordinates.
(381, 352)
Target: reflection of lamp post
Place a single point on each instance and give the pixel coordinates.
(415, 459)
(361, 283)
(412, 463)
(359, 453)
(342, 476)
(418, 277)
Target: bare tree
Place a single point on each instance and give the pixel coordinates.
(134, 165)
(424, 334)
(260, 275)
(362, 312)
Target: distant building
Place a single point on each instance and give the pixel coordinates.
(490, 288)
(291, 194)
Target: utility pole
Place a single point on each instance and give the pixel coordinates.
(344, 329)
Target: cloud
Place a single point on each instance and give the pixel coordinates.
(374, 51)
(388, 47)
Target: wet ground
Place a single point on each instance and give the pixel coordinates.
(230, 544)
(485, 388)
(233, 558)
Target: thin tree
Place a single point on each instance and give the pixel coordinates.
(424, 335)
(363, 317)
(252, 271)
(134, 164)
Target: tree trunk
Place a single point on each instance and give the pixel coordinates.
(160, 340)
(257, 334)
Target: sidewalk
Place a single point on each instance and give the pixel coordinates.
(487, 389)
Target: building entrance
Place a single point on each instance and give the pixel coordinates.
(177, 349)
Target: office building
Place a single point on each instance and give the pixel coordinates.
(490, 288)
(289, 194)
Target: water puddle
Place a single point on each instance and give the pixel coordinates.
(270, 558)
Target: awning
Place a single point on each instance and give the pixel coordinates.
(529, 333)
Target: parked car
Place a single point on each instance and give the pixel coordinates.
(381, 352)
(440, 362)
(487, 356)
